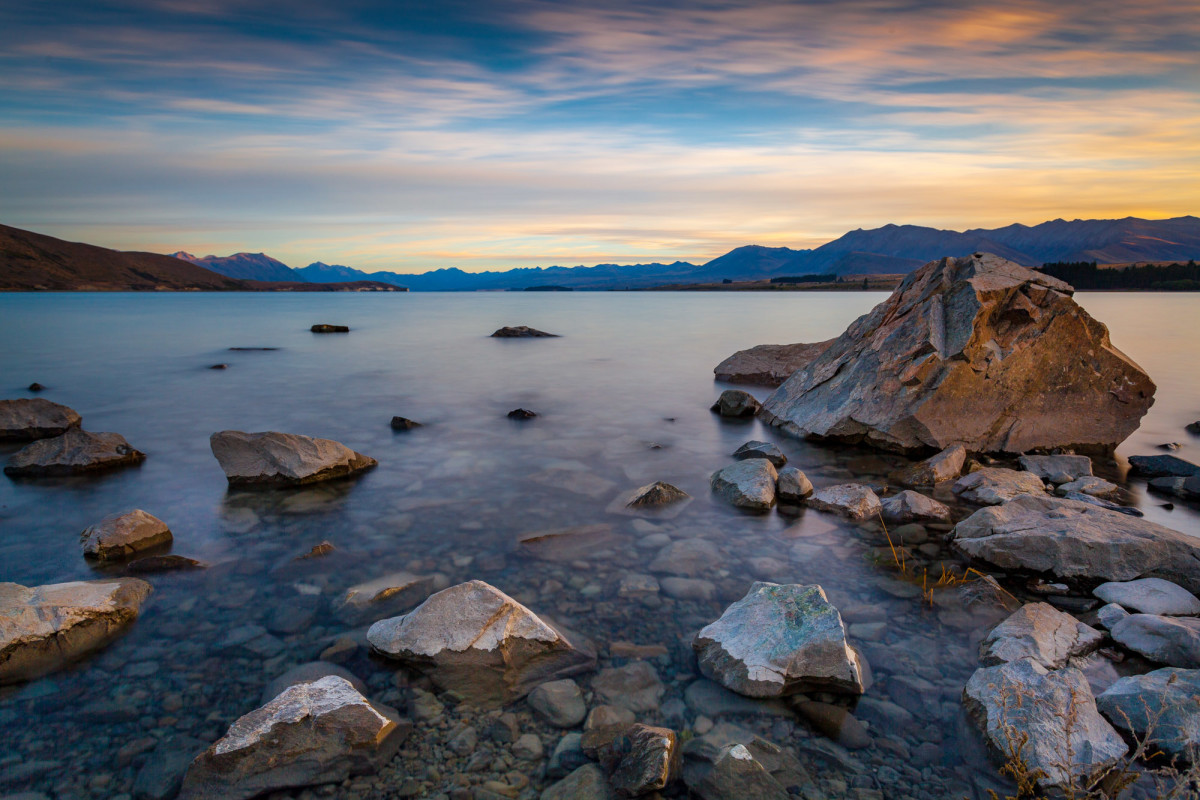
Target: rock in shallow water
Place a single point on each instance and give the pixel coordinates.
(1058, 468)
(736, 403)
(124, 535)
(944, 466)
(559, 702)
(73, 453)
(910, 506)
(1041, 632)
(851, 500)
(747, 484)
(765, 450)
(521, 332)
(793, 486)
(769, 364)
(25, 420)
(992, 486)
(283, 459)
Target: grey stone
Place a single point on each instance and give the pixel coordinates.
(283, 459)
(1174, 641)
(1041, 632)
(73, 453)
(635, 687)
(736, 403)
(1058, 468)
(586, 783)
(836, 723)
(1110, 615)
(944, 466)
(756, 449)
(689, 588)
(1091, 485)
(1162, 707)
(559, 702)
(768, 364)
(992, 486)
(708, 697)
(746, 484)
(162, 774)
(1150, 596)
(521, 332)
(567, 756)
(851, 500)
(792, 486)
(27, 419)
(1162, 466)
(122, 536)
(737, 775)
(910, 506)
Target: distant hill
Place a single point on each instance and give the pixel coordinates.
(246, 266)
(318, 272)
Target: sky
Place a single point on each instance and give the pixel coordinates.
(487, 135)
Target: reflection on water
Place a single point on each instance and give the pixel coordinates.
(622, 400)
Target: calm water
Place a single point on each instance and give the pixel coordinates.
(623, 400)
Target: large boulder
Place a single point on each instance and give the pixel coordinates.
(746, 484)
(1163, 705)
(976, 351)
(73, 453)
(1174, 641)
(24, 420)
(779, 640)
(480, 644)
(769, 364)
(122, 536)
(1041, 632)
(992, 486)
(1047, 718)
(1071, 539)
(310, 733)
(283, 459)
(44, 627)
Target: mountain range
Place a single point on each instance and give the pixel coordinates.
(888, 250)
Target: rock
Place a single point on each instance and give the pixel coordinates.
(768, 364)
(283, 459)
(317, 550)
(42, 628)
(566, 544)
(559, 702)
(761, 450)
(747, 484)
(851, 500)
(1162, 467)
(1174, 641)
(1191, 427)
(944, 466)
(992, 486)
(567, 755)
(736, 775)
(162, 774)
(603, 715)
(1090, 485)
(522, 332)
(385, 595)
(689, 589)
(1099, 503)
(1058, 468)
(643, 759)
(1186, 488)
(656, 494)
(311, 733)
(1150, 596)
(36, 387)
(686, 557)
(634, 687)
(793, 486)
(1109, 615)
(1047, 717)
(635, 584)
(910, 506)
(121, 536)
(325, 328)
(1161, 707)
(779, 640)
(28, 419)
(480, 644)
(976, 351)
(836, 723)
(1071, 539)
(736, 403)
(586, 783)
(218, 366)
(521, 413)
(307, 673)
(1041, 632)
(73, 453)
(148, 565)
(705, 753)
(404, 424)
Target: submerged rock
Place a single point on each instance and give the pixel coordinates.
(992, 486)
(715, 770)
(976, 351)
(768, 364)
(588, 782)
(311, 733)
(944, 466)
(325, 328)
(385, 595)
(793, 486)
(852, 500)
(1174, 641)
(1162, 467)
(1071, 539)
(42, 628)
(480, 644)
(737, 775)
(522, 332)
(164, 563)
(559, 702)
(765, 450)
(634, 687)
(736, 403)
(1041, 632)
(73, 453)
(746, 484)
(283, 459)
(1150, 596)
(1058, 468)
(1163, 705)
(24, 420)
(123, 535)
(779, 640)
(910, 506)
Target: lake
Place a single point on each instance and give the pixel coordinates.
(623, 400)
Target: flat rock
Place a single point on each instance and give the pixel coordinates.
(1150, 596)
(521, 413)
(976, 351)
(851, 500)
(765, 450)
(1041, 632)
(1162, 707)
(1058, 468)
(793, 486)
(1162, 467)
(559, 702)
(1174, 641)
(480, 644)
(747, 484)
(910, 506)
(780, 640)
(634, 687)
(283, 459)
(122, 536)
(521, 332)
(943, 466)
(768, 364)
(27, 419)
(992, 486)
(1048, 717)
(1109, 615)
(1089, 485)
(1071, 539)
(311, 733)
(42, 628)
(736, 403)
(75, 452)
(1100, 502)
(327, 328)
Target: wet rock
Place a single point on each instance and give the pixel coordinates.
(122, 536)
(521, 413)
(162, 774)
(836, 723)
(480, 644)
(755, 449)
(656, 494)
(283, 459)
(384, 595)
(686, 557)
(586, 783)
(851, 500)
(559, 702)
(522, 332)
(1174, 641)
(1071, 539)
(793, 486)
(1150, 596)
(310, 734)
(404, 424)
(1041, 632)
(737, 775)
(1090, 485)
(944, 466)
(148, 565)
(634, 687)
(1057, 468)
(910, 506)
(643, 759)
(736, 403)
(42, 628)
(1049, 714)
(326, 328)
(73, 453)
(307, 673)
(779, 640)
(747, 484)
(1162, 707)
(992, 486)
(566, 544)
(27, 419)
(960, 354)
(1162, 467)
(637, 585)
(768, 364)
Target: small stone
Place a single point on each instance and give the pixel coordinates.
(521, 413)
(585, 783)
(995, 485)
(747, 484)
(528, 747)
(908, 506)
(756, 449)
(736, 403)
(326, 328)
(836, 723)
(635, 687)
(120, 536)
(404, 424)
(852, 500)
(559, 702)
(1110, 615)
(521, 332)
(793, 486)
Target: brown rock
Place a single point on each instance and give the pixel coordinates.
(73, 453)
(768, 364)
(283, 459)
(24, 420)
(124, 535)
